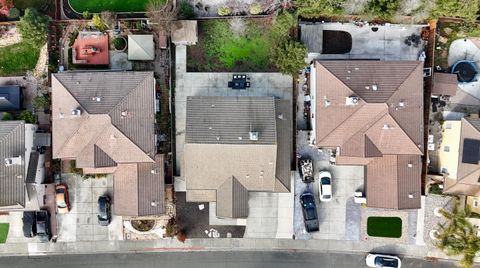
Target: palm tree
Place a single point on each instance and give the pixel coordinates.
(458, 236)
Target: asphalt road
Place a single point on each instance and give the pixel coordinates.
(205, 260)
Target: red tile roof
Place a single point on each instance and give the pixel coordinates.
(90, 48)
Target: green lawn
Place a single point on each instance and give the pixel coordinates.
(3, 232)
(384, 227)
(220, 48)
(97, 6)
(18, 58)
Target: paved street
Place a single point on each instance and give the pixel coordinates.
(206, 259)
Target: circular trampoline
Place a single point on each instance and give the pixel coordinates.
(465, 70)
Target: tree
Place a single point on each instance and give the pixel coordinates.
(315, 8)
(186, 10)
(458, 236)
(466, 9)
(384, 9)
(28, 117)
(7, 116)
(40, 102)
(161, 15)
(98, 23)
(33, 26)
(282, 24)
(289, 57)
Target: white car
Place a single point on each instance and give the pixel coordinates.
(380, 260)
(325, 185)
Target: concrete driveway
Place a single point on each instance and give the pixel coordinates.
(81, 224)
(340, 218)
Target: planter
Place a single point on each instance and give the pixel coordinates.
(120, 43)
(143, 225)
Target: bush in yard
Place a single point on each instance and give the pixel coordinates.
(33, 26)
(98, 23)
(317, 8)
(255, 9)
(119, 43)
(289, 57)
(282, 24)
(14, 13)
(171, 229)
(185, 10)
(7, 116)
(28, 117)
(224, 11)
(86, 15)
(466, 9)
(384, 9)
(40, 102)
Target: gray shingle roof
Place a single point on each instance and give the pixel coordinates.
(12, 179)
(228, 120)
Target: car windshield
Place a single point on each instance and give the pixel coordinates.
(327, 196)
(60, 191)
(325, 181)
(61, 204)
(389, 262)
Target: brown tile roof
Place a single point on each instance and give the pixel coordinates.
(468, 174)
(444, 84)
(139, 189)
(232, 199)
(114, 126)
(213, 151)
(381, 130)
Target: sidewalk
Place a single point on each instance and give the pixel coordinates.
(222, 244)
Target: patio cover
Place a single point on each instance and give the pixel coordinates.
(10, 98)
(141, 47)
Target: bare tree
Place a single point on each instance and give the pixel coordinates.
(108, 18)
(161, 15)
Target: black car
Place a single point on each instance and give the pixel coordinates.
(29, 224)
(104, 211)
(43, 225)
(309, 211)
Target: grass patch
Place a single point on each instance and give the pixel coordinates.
(384, 227)
(225, 47)
(3, 232)
(97, 6)
(18, 58)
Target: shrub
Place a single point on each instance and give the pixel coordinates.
(435, 189)
(282, 24)
(72, 38)
(28, 117)
(315, 8)
(224, 11)
(14, 13)
(98, 23)
(86, 15)
(255, 9)
(7, 116)
(186, 10)
(40, 102)
(171, 229)
(466, 9)
(33, 26)
(119, 43)
(289, 57)
(384, 9)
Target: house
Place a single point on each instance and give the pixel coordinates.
(10, 98)
(370, 113)
(235, 145)
(184, 32)
(22, 166)
(141, 47)
(105, 122)
(459, 156)
(90, 48)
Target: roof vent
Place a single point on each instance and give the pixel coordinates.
(386, 126)
(327, 103)
(218, 138)
(97, 99)
(356, 68)
(13, 161)
(154, 203)
(76, 112)
(367, 87)
(280, 116)
(78, 82)
(124, 114)
(374, 87)
(411, 195)
(410, 165)
(401, 103)
(352, 100)
(253, 135)
(60, 115)
(240, 138)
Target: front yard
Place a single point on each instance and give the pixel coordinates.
(16, 59)
(384, 227)
(231, 45)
